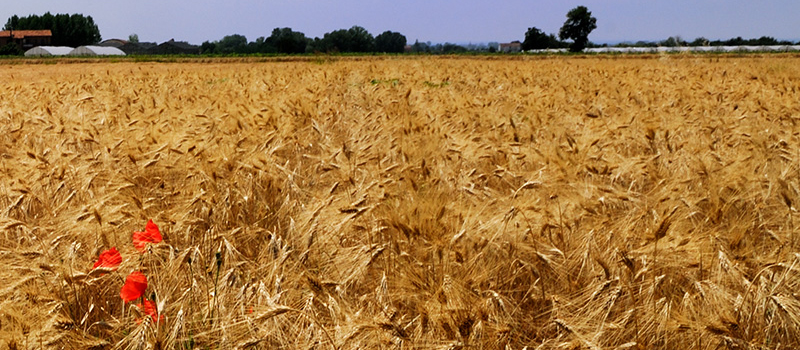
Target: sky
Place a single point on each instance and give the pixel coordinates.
(437, 21)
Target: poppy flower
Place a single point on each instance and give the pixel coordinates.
(149, 308)
(109, 258)
(134, 286)
(151, 234)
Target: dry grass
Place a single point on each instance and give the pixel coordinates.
(424, 203)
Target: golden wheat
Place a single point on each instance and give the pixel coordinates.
(430, 203)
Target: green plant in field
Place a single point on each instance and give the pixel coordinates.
(393, 82)
(435, 84)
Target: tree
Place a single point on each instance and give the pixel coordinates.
(577, 27)
(450, 48)
(355, 39)
(11, 49)
(260, 46)
(390, 42)
(235, 43)
(208, 48)
(336, 41)
(673, 41)
(535, 39)
(68, 30)
(285, 40)
(134, 38)
(361, 40)
(419, 47)
(700, 41)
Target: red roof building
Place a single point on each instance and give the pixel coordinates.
(26, 39)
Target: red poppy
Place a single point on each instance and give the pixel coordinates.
(134, 287)
(151, 234)
(109, 259)
(150, 309)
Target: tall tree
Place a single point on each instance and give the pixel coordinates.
(355, 39)
(390, 42)
(208, 47)
(577, 27)
(235, 43)
(335, 41)
(361, 40)
(285, 40)
(68, 30)
(535, 39)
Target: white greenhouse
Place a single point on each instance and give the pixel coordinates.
(96, 51)
(660, 49)
(48, 51)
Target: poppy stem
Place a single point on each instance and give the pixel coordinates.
(74, 312)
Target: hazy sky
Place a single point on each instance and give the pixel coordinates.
(459, 21)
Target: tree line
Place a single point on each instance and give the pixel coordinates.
(287, 41)
(675, 41)
(77, 30)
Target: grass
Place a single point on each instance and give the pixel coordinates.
(431, 203)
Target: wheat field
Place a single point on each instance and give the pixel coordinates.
(404, 203)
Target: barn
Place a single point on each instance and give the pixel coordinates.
(49, 51)
(96, 51)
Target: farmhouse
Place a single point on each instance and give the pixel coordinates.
(26, 39)
(514, 46)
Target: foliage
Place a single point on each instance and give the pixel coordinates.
(421, 47)
(536, 39)
(446, 48)
(355, 39)
(699, 41)
(739, 41)
(286, 41)
(390, 42)
(68, 30)
(11, 49)
(332, 42)
(235, 43)
(134, 38)
(450, 48)
(208, 47)
(702, 41)
(673, 41)
(577, 27)
(360, 40)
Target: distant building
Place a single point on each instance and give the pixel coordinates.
(173, 47)
(514, 46)
(140, 48)
(26, 39)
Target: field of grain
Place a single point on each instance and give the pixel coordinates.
(404, 203)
